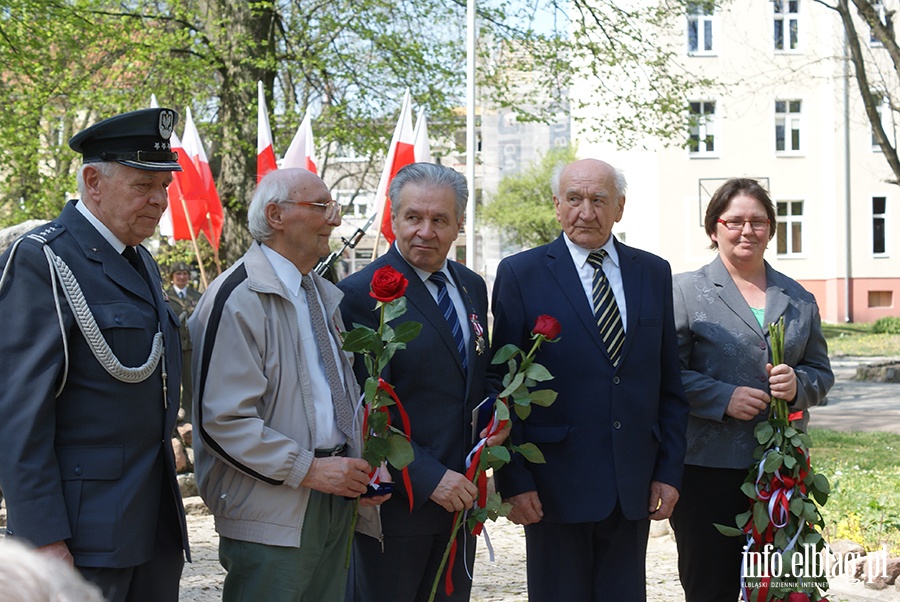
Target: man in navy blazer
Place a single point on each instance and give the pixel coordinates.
(435, 386)
(90, 366)
(614, 439)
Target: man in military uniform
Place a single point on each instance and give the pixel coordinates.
(88, 365)
(183, 298)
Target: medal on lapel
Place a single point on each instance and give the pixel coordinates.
(479, 334)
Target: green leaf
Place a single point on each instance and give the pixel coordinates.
(790, 462)
(530, 452)
(749, 490)
(741, 519)
(378, 422)
(400, 453)
(781, 540)
(498, 452)
(513, 385)
(359, 340)
(797, 506)
(501, 409)
(538, 373)
(379, 446)
(763, 432)
(522, 412)
(728, 531)
(371, 388)
(821, 483)
(407, 331)
(504, 354)
(773, 461)
(394, 309)
(544, 397)
(790, 432)
(760, 517)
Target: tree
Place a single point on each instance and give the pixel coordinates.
(522, 208)
(877, 76)
(67, 63)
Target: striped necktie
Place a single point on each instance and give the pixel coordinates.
(445, 304)
(609, 321)
(343, 409)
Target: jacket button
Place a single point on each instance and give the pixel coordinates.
(617, 425)
(78, 471)
(615, 380)
(762, 345)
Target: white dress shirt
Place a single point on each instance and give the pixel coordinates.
(610, 267)
(326, 433)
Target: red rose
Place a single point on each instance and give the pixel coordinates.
(387, 284)
(548, 326)
(797, 597)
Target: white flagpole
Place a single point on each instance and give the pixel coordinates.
(470, 134)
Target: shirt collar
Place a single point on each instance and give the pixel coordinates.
(285, 270)
(105, 232)
(580, 254)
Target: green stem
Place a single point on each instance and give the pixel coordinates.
(437, 578)
(352, 530)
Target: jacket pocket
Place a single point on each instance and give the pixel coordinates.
(90, 476)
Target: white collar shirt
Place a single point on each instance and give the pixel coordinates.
(611, 267)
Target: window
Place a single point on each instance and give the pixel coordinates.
(878, 7)
(790, 227)
(885, 116)
(702, 139)
(787, 125)
(881, 299)
(700, 27)
(879, 209)
(787, 24)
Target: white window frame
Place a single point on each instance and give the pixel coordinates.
(789, 19)
(705, 128)
(884, 218)
(702, 15)
(785, 225)
(878, 5)
(790, 120)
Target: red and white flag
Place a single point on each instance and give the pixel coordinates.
(400, 153)
(422, 144)
(186, 194)
(193, 146)
(265, 150)
(301, 152)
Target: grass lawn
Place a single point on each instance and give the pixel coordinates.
(857, 339)
(864, 505)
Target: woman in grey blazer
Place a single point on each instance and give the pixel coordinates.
(721, 313)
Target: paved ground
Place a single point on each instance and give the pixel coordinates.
(858, 406)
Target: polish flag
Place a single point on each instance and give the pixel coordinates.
(193, 146)
(301, 152)
(186, 195)
(422, 144)
(400, 153)
(265, 151)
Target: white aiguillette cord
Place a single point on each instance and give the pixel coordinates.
(60, 272)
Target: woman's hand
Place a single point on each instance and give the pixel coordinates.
(782, 381)
(746, 403)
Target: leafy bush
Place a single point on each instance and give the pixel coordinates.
(887, 325)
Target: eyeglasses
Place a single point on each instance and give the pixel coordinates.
(332, 209)
(736, 225)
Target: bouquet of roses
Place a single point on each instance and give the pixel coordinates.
(383, 442)
(523, 374)
(782, 558)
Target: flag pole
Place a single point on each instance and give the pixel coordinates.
(470, 134)
(194, 241)
(214, 248)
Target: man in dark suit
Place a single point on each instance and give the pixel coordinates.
(88, 358)
(614, 439)
(438, 385)
(184, 298)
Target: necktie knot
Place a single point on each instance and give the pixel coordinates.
(595, 258)
(439, 279)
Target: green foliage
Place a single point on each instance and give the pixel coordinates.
(522, 209)
(887, 325)
(859, 340)
(865, 476)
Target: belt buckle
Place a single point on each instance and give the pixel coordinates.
(337, 451)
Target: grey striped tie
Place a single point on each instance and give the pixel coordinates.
(342, 406)
(609, 320)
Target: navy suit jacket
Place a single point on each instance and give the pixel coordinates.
(611, 431)
(430, 382)
(92, 466)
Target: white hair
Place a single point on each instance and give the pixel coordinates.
(28, 576)
(618, 178)
(106, 169)
(275, 187)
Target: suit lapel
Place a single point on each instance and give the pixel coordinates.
(562, 269)
(632, 278)
(777, 301)
(730, 295)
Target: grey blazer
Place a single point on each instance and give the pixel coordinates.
(722, 346)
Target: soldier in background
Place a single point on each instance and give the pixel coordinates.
(183, 298)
